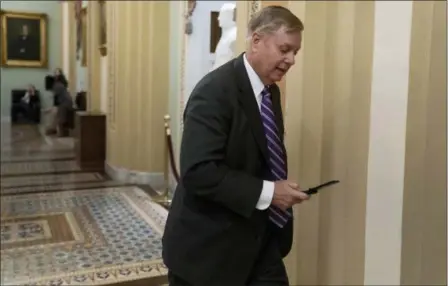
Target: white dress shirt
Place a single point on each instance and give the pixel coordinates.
(257, 86)
(26, 97)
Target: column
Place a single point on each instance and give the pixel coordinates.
(138, 63)
(93, 57)
(387, 137)
(63, 61)
(177, 76)
(423, 246)
(327, 125)
(71, 72)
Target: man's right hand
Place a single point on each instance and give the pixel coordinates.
(287, 194)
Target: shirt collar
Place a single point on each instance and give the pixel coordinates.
(255, 81)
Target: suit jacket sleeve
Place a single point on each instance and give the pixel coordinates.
(207, 123)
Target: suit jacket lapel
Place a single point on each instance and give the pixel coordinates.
(249, 104)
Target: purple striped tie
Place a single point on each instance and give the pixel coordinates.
(277, 160)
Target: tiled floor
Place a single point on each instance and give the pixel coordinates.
(63, 226)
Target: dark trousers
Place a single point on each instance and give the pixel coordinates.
(268, 269)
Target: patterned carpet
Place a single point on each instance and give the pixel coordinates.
(61, 225)
(81, 237)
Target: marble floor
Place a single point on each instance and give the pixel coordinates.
(61, 225)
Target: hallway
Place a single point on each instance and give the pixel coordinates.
(61, 225)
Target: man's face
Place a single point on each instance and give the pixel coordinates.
(31, 89)
(275, 53)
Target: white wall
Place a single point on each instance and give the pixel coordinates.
(198, 58)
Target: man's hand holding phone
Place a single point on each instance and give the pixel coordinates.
(287, 194)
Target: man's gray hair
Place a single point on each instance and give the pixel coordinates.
(272, 18)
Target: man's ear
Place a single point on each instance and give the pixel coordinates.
(255, 38)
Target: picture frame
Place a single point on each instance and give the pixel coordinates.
(24, 39)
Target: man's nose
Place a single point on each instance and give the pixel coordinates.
(290, 59)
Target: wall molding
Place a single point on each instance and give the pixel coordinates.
(155, 180)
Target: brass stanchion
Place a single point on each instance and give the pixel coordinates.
(163, 196)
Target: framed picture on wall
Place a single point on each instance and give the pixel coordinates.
(24, 39)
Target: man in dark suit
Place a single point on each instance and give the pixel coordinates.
(230, 222)
(24, 46)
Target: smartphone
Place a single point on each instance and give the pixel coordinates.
(315, 190)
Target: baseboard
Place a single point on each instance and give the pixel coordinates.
(155, 180)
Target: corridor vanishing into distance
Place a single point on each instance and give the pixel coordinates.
(61, 225)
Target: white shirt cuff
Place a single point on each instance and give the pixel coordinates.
(266, 195)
